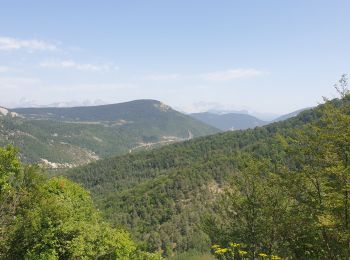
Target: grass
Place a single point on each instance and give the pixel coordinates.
(193, 256)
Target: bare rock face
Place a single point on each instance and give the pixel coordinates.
(3, 111)
(6, 112)
(162, 107)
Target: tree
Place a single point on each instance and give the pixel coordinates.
(298, 208)
(10, 193)
(54, 218)
(252, 210)
(323, 153)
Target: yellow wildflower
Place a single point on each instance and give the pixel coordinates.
(215, 246)
(241, 252)
(221, 251)
(234, 244)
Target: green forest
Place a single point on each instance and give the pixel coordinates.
(74, 136)
(280, 191)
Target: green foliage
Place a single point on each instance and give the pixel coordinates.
(237, 251)
(80, 135)
(298, 207)
(164, 196)
(9, 169)
(251, 209)
(193, 255)
(10, 181)
(54, 219)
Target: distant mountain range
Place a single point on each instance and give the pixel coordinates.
(61, 137)
(230, 121)
(237, 121)
(290, 115)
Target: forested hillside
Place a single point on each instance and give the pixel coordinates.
(67, 137)
(174, 130)
(278, 191)
(161, 195)
(167, 197)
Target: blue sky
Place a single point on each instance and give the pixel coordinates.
(265, 56)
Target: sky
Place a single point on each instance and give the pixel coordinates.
(194, 55)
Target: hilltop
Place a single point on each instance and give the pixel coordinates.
(67, 137)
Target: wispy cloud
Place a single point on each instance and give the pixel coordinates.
(231, 74)
(12, 44)
(160, 77)
(71, 64)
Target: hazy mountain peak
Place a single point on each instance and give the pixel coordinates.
(290, 115)
(229, 121)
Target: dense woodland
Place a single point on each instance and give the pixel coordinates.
(278, 191)
(281, 189)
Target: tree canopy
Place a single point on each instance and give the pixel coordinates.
(54, 218)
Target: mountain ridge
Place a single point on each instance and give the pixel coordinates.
(74, 136)
(238, 120)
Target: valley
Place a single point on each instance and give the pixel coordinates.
(68, 137)
(174, 130)
(162, 195)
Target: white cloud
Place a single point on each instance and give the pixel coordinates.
(10, 44)
(71, 64)
(157, 77)
(231, 74)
